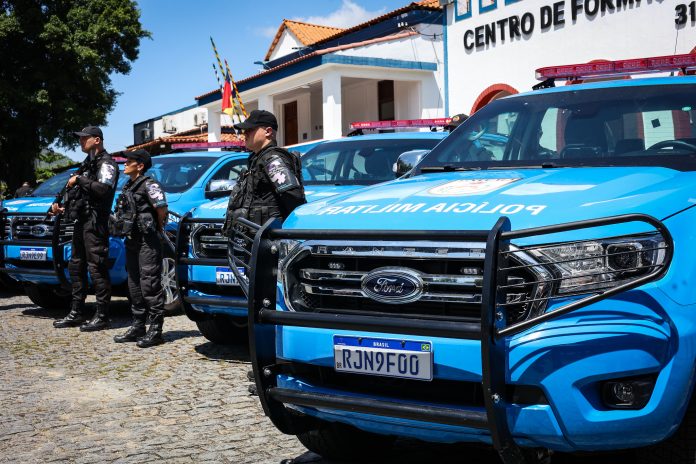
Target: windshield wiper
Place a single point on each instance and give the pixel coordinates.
(450, 168)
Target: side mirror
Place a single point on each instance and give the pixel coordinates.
(408, 160)
(219, 188)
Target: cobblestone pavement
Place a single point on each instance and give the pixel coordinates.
(78, 397)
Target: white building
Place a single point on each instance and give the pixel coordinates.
(493, 47)
(430, 59)
(318, 79)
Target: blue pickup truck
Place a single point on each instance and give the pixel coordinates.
(36, 253)
(542, 299)
(211, 294)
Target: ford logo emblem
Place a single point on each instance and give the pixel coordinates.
(39, 231)
(393, 285)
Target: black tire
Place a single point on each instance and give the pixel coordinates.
(48, 297)
(339, 442)
(680, 448)
(172, 300)
(8, 284)
(224, 330)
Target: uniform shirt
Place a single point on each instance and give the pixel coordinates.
(99, 181)
(152, 190)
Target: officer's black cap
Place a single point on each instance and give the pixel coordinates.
(141, 156)
(456, 120)
(258, 118)
(90, 131)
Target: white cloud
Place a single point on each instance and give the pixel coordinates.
(268, 32)
(349, 14)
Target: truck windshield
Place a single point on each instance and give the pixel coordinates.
(179, 173)
(358, 162)
(638, 125)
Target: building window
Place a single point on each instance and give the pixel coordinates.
(385, 100)
(462, 9)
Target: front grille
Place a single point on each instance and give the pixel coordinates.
(330, 277)
(208, 241)
(31, 228)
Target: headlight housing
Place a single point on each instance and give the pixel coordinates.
(592, 265)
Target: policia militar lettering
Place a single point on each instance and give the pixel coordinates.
(87, 203)
(140, 216)
(272, 186)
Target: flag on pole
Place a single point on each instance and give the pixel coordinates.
(227, 102)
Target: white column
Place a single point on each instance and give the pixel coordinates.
(214, 127)
(265, 102)
(331, 105)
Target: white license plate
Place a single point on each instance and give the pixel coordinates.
(378, 356)
(225, 276)
(32, 254)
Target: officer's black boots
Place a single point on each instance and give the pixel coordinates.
(134, 332)
(74, 317)
(100, 321)
(154, 333)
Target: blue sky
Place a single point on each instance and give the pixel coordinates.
(176, 64)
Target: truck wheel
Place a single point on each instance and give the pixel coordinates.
(8, 284)
(172, 302)
(47, 296)
(223, 330)
(339, 442)
(680, 448)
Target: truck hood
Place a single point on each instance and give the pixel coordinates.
(28, 204)
(217, 209)
(474, 200)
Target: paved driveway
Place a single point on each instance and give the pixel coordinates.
(79, 397)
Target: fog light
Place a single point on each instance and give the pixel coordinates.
(632, 393)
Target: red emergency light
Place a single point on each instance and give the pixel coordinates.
(437, 122)
(620, 67)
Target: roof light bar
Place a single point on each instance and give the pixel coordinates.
(185, 146)
(400, 123)
(620, 67)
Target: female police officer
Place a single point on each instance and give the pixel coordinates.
(141, 212)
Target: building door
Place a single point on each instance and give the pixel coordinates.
(290, 123)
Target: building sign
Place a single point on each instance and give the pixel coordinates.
(549, 17)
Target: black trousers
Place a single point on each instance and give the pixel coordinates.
(90, 251)
(144, 265)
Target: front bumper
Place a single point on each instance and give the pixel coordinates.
(566, 352)
(196, 278)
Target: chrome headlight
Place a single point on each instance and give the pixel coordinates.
(586, 266)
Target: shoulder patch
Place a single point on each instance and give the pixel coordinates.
(107, 174)
(155, 192)
(280, 174)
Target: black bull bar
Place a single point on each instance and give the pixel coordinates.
(261, 269)
(54, 242)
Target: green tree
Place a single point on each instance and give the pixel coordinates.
(57, 60)
(47, 162)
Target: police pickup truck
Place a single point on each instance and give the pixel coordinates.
(211, 295)
(36, 253)
(542, 299)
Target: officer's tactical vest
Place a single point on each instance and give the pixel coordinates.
(255, 199)
(130, 216)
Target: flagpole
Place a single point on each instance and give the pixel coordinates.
(222, 71)
(236, 92)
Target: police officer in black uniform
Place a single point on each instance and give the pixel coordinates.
(93, 193)
(272, 186)
(141, 212)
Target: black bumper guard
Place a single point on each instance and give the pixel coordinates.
(57, 248)
(491, 331)
(183, 238)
